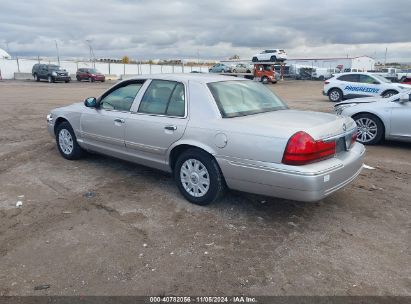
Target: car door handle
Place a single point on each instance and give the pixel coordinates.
(119, 120)
(171, 128)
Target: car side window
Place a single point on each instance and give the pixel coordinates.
(367, 79)
(350, 78)
(164, 97)
(121, 98)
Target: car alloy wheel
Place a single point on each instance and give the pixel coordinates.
(194, 177)
(370, 129)
(65, 141)
(367, 130)
(335, 95)
(198, 177)
(389, 94)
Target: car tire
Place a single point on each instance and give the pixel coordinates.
(264, 80)
(255, 59)
(67, 142)
(36, 77)
(67, 81)
(78, 78)
(187, 173)
(234, 71)
(322, 78)
(90, 79)
(335, 95)
(389, 93)
(273, 58)
(370, 129)
(50, 79)
(248, 71)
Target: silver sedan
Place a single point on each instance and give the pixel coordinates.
(380, 118)
(214, 132)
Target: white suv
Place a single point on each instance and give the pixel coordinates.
(352, 85)
(270, 55)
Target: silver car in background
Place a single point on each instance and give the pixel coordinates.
(380, 118)
(212, 132)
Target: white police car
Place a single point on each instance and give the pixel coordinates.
(353, 85)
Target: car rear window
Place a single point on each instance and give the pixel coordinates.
(240, 98)
(350, 78)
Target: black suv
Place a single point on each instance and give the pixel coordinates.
(51, 72)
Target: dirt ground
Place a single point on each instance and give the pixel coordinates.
(134, 234)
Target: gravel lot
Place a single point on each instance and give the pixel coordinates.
(136, 235)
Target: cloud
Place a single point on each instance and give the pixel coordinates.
(216, 29)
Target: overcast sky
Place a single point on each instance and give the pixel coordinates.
(214, 29)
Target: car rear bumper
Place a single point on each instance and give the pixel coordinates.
(311, 182)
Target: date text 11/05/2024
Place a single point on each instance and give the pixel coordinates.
(174, 299)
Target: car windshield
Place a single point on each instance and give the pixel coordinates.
(240, 98)
(94, 71)
(382, 79)
(54, 68)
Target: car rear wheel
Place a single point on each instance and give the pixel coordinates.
(78, 78)
(36, 77)
(264, 79)
(67, 142)
(198, 177)
(273, 58)
(50, 79)
(335, 95)
(255, 59)
(370, 129)
(389, 93)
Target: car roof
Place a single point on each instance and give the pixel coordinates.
(199, 77)
(351, 73)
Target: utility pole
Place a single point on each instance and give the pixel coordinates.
(57, 49)
(385, 57)
(92, 56)
(8, 49)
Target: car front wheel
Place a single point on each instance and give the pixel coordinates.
(198, 177)
(67, 142)
(370, 129)
(389, 93)
(335, 95)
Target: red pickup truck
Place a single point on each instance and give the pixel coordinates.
(265, 72)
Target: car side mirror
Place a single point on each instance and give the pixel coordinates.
(405, 98)
(90, 102)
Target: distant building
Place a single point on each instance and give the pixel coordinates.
(361, 63)
(4, 54)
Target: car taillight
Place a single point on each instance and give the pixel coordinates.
(302, 149)
(354, 138)
(326, 82)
